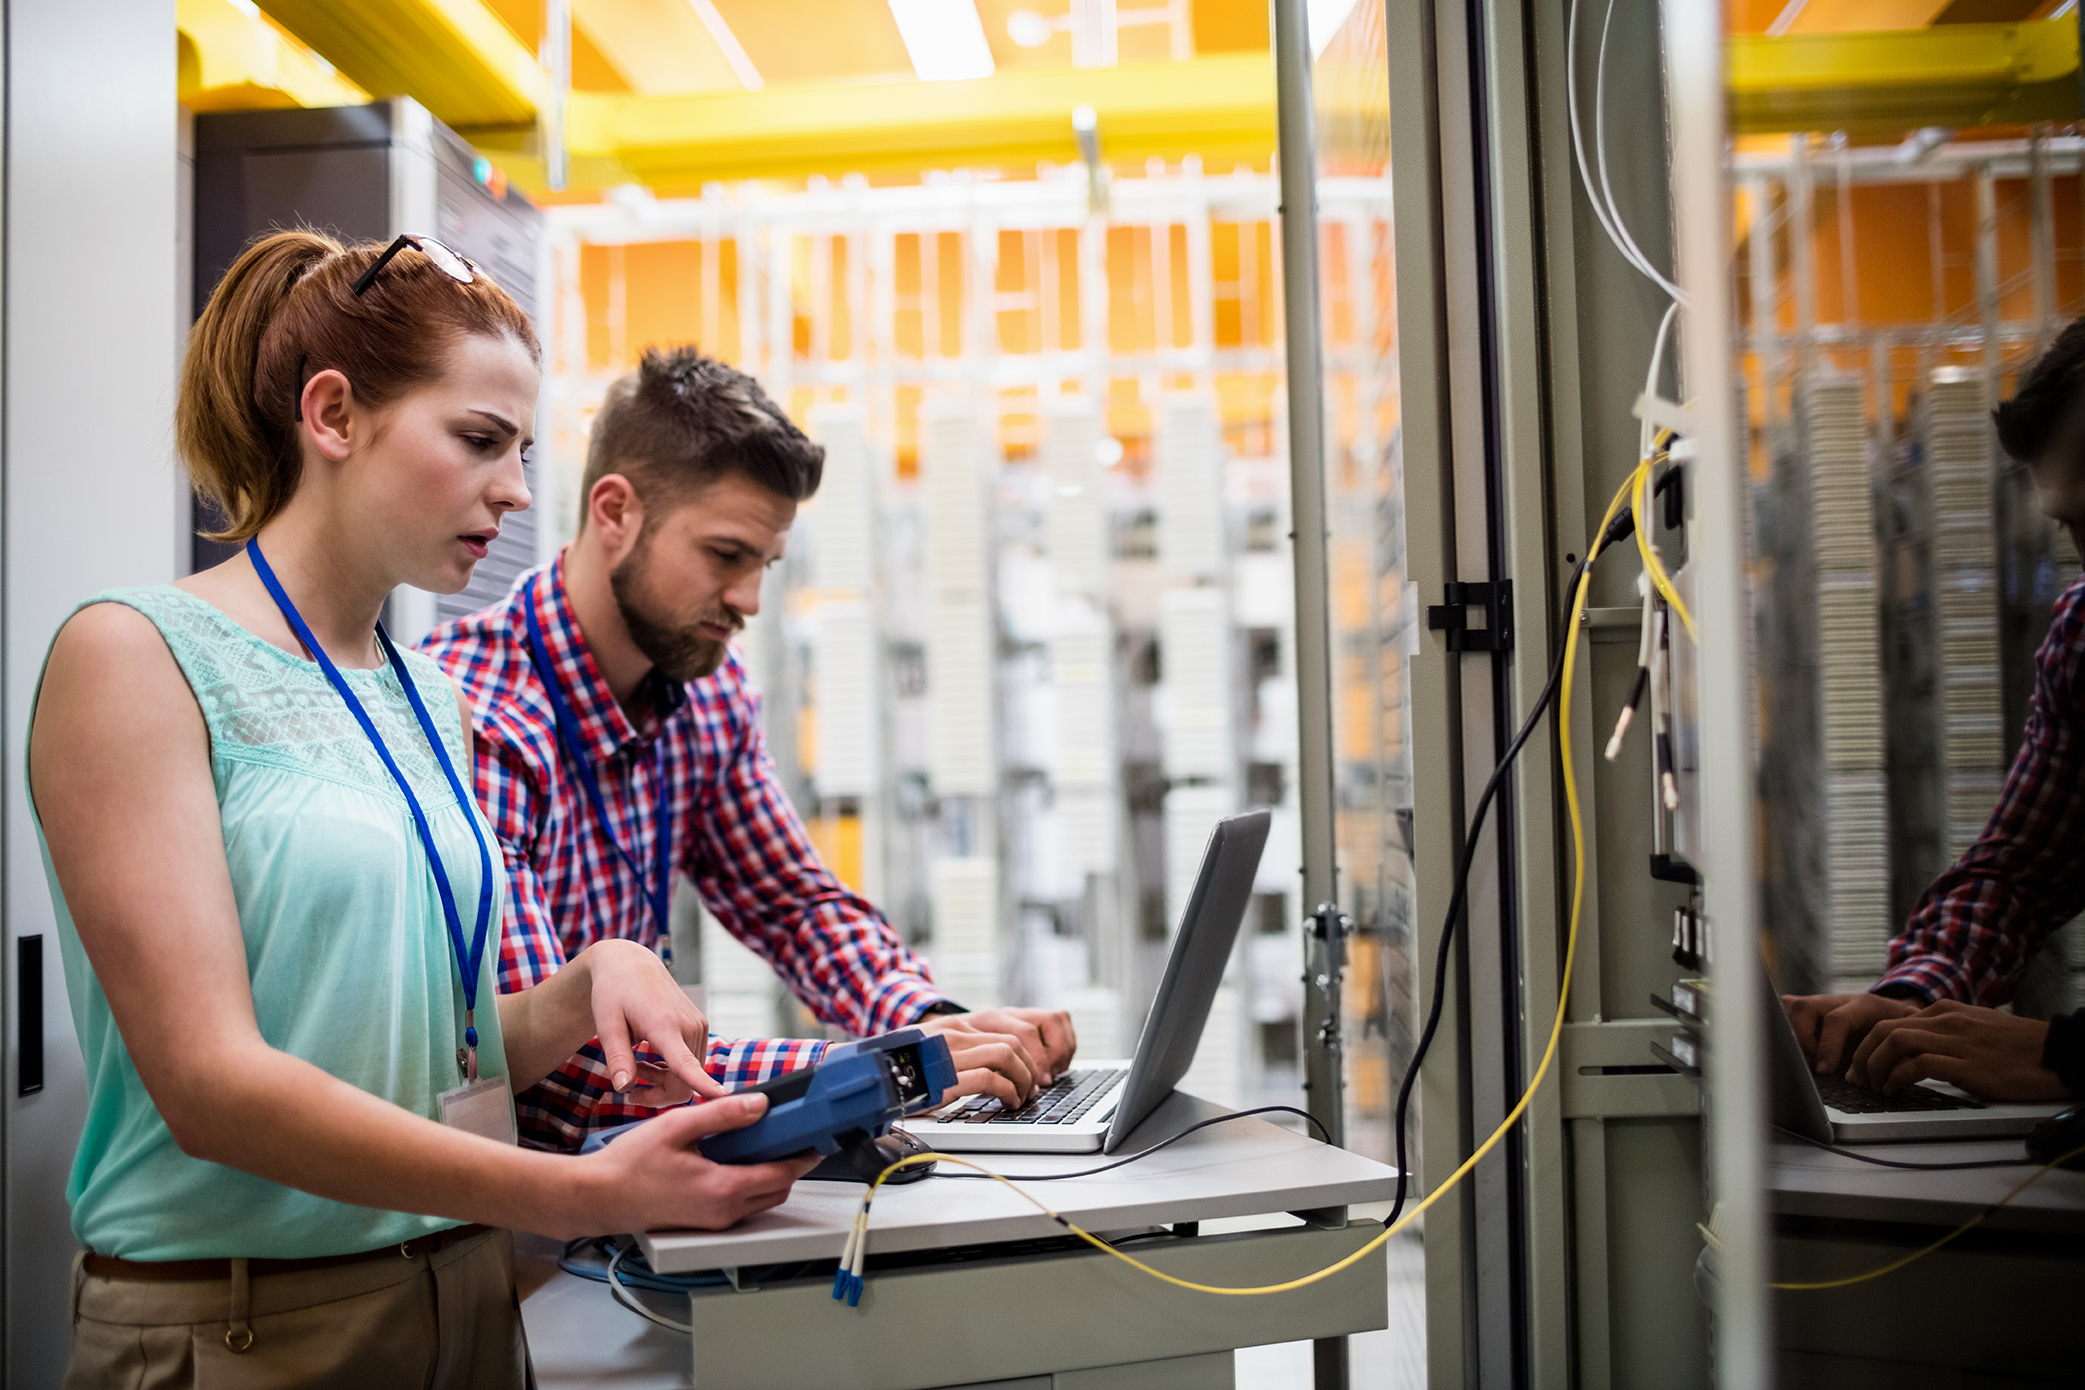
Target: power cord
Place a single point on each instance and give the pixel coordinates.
(1617, 531)
(630, 1300)
(1455, 909)
(614, 1277)
(1899, 1163)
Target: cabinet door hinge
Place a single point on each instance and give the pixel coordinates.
(1495, 597)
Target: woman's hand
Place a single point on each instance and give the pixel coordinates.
(654, 1178)
(635, 999)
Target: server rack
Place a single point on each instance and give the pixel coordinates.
(370, 173)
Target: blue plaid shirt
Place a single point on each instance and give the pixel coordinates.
(736, 837)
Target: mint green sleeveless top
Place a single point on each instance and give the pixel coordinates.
(346, 945)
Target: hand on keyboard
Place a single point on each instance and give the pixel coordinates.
(990, 1066)
(1988, 1053)
(1068, 1099)
(1043, 1037)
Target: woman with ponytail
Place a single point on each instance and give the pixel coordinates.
(276, 898)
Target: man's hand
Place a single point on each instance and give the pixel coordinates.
(1987, 1053)
(654, 1178)
(636, 999)
(1008, 1053)
(1831, 1026)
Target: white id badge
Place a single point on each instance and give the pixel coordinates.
(484, 1107)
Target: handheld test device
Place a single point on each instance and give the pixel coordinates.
(839, 1107)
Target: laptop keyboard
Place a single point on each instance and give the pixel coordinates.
(1841, 1094)
(1063, 1101)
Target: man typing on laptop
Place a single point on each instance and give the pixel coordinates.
(619, 744)
(1969, 940)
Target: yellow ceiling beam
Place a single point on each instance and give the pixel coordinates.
(454, 57)
(242, 61)
(1959, 75)
(657, 45)
(1217, 107)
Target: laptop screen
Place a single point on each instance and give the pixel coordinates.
(1201, 950)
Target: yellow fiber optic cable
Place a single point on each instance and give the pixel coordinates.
(1556, 1031)
(1639, 500)
(1894, 1265)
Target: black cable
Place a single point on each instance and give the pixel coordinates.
(1917, 1167)
(1617, 531)
(1146, 1153)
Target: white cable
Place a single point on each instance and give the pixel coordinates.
(629, 1300)
(1643, 667)
(1585, 175)
(1609, 218)
(1646, 431)
(1614, 210)
(1666, 789)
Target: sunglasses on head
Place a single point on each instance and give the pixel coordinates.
(459, 268)
(462, 269)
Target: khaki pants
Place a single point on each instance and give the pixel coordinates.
(440, 1320)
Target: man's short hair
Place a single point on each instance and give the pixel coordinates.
(681, 421)
(2049, 388)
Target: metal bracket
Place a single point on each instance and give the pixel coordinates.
(1324, 1067)
(1329, 925)
(1608, 1072)
(1670, 868)
(1495, 597)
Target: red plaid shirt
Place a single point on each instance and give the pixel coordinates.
(1973, 932)
(736, 837)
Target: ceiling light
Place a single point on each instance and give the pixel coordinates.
(727, 43)
(944, 38)
(1029, 29)
(1325, 18)
(1790, 13)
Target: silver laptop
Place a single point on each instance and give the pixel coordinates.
(1833, 1110)
(1096, 1105)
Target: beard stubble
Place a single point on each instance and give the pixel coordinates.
(677, 648)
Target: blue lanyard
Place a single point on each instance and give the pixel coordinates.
(660, 894)
(468, 959)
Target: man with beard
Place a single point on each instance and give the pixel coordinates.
(619, 744)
